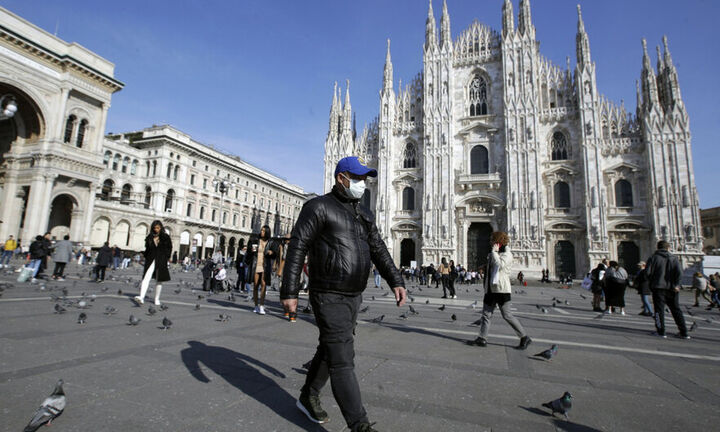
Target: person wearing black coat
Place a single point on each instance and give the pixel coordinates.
(664, 273)
(158, 248)
(37, 253)
(642, 285)
(103, 260)
(341, 240)
(207, 272)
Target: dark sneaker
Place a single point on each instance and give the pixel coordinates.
(658, 335)
(364, 427)
(310, 406)
(477, 342)
(681, 336)
(524, 342)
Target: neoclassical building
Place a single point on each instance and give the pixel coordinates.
(59, 173)
(491, 135)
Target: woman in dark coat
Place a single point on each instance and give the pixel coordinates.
(158, 248)
(103, 260)
(616, 280)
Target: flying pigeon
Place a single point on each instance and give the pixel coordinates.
(378, 319)
(49, 410)
(82, 318)
(166, 323)
(152, 311)
(442, 308)
(164, 307)
(561, 405)
(59, 309)
(133, 321)
(109, 310)
(693, 326)
(365, 309)
(548, 353)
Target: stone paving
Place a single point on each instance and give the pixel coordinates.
(415, 373)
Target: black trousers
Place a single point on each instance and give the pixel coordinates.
(100, 272)
(445, 279)
(335, 315)
(669, 297)
(59, 269)
(240, 285)
(451, 284)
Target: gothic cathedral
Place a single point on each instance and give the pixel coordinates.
(493, 136)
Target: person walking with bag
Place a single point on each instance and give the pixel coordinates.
(158, 248)
(497, 291)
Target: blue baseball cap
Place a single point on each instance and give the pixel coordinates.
(354, 165)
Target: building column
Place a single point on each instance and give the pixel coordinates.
(85, 229)
(76, 223)
(10, 215)
(31, 225)
(44, 210)
(60, 127)
(101, 129)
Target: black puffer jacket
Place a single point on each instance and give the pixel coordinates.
(342, 240)
(663, 270)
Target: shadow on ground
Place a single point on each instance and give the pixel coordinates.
(243, 372)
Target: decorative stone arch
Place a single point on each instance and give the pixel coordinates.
(550, 136)
(64, 207)
(100, 232)
(468, 81)
(403, 162)
(622, 171)
(139, 232)
(30, 124)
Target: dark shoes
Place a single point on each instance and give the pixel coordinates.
(364, 427)
(310, 406)
(477, 342)
(597, 309)
(525, 341)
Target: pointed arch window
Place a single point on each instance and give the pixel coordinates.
(478, 96)
(410, 156)
(559, 146)
(408, 199)
(623, 193)
(479, 163)
(81, 133)
(562, 195)
(69, 126)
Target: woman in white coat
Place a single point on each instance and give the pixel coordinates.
(497, 291)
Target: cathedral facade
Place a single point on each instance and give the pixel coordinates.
(491, 135)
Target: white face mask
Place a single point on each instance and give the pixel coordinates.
(356, 189)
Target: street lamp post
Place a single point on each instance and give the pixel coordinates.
(8, 106)
(222, 186)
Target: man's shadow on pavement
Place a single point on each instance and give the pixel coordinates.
(242, 372)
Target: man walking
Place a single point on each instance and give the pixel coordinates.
(62, 254)
(664, 273)
(342, 241)
(9, 249)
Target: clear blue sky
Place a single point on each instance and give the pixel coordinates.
(255, 77)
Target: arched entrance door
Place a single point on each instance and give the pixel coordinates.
(478, 245)
(628, 256)
(231, 248)
(407, 252)
(25, 123)
(564, 258)
(60, 216)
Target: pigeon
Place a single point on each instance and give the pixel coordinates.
(413, 311)
(442, 308)
(177, 291)
(561, 405)
(453, 317)
(473, 304)
(59, 309)
(133, 321)
(307, 309)
(548, 353)
(82, 304)
(200, 297)
(693, 326)
(166, 323)
(224, 318)
(164, 307)
(373, 297)
(65, 292)
(49, 410)
(427, 301)
(567, 302)
(403, 316)
(365, 309)
(109, 310)
(151, 311)
(119, 292)
(82, 318)
(544, 310)
(583, 296)
(378, 319)
(412, 299)
(197, 306)
(537, 306)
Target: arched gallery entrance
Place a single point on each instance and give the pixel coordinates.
(61, 211)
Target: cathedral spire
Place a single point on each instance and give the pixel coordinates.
(638, 98)
(668, 57)
(672, 84)
(582, 43)
(347, 110)
(508, 18)
(430, 36)
(334, 113)
(525, 25)
(660, 63)
(388, 71)
(649, 83)
(445, 37)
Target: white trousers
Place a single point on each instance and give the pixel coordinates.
(146, 283)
